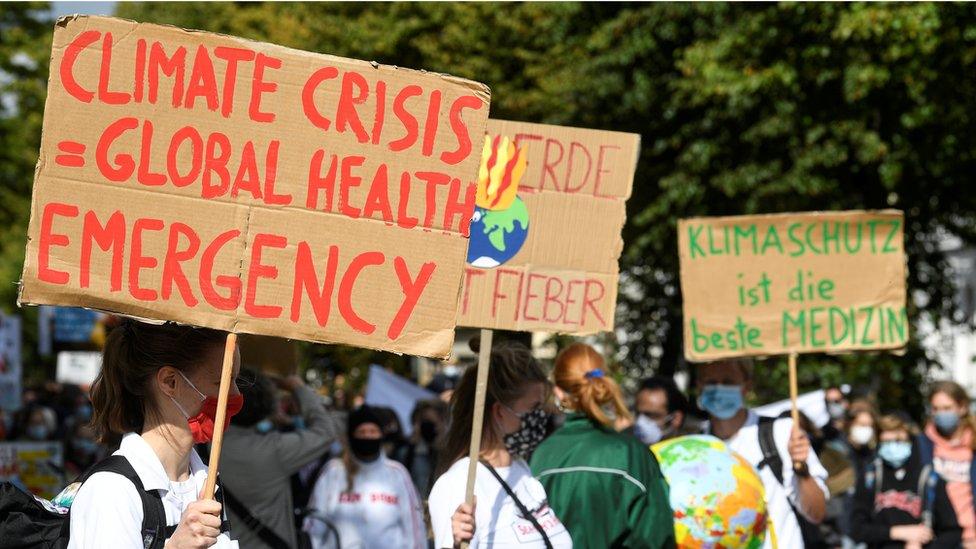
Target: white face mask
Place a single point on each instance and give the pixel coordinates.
(862, 434)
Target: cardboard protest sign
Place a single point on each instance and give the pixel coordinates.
(793, 283)
(545, 236)
(253, 188)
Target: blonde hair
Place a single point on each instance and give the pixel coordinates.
(580, 372)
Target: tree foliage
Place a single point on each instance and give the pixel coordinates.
(742, 108)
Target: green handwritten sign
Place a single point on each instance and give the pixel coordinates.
(805, 282)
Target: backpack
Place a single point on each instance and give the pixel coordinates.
(813, 538)
(29, 521)
(927, 481)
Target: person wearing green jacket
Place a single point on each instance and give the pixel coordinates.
(606, 487)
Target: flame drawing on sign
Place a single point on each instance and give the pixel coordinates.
(502, 166)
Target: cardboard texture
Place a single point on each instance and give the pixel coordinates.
(558, 274)
(799, 282)
(215, 181)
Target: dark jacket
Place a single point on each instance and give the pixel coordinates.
(886, 501)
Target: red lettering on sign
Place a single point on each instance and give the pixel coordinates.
(317, 183)
(138, 262)
(460, 129)
(257, 270)
(203, 82)
(346, 116)
(233, 56)
(346, 287)
(600, 171)
(306, 281)
(247, 174)
(186, 133)
(271, 175)
(464, 210)
(430, 128)
(260, 87)
(433, 180)
(548, 165)
(347, 180)
(110, 237)
(412, 289)
(378, 199)
(552, 297)
(207, 281)
(216, 162)
(308, 97)
(174, 67)
(573, 147)
(408, 120)
(71, 53)
(589, 301)
(49, 239)
(172, 271)
(529, 295)
(124, 164)
(104, 95)
(469, 274)
(404, 220)
(145, 176)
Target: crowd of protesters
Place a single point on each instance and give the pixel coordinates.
(564, 455)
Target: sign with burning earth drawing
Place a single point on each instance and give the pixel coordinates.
(545, 234)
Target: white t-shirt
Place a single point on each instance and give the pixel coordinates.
(381, 511)
(107, 511)
(778, 496)
(498, 521)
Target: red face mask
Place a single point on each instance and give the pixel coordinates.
(202, 424)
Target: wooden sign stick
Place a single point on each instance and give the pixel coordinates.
(226, 372)
(794, 409)
(481, 387)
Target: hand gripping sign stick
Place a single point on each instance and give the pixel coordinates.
(226, 373)
(484, 354)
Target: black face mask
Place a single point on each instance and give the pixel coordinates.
(365, 449)
(428, 431)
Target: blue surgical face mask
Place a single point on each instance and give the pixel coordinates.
(946, 422)
(264, 426)
(895, 452)
(721, 401)
(647, 430)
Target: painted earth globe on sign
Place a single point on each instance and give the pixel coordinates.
(717, 496)
(497, 235)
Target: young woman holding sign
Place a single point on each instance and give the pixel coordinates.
(605, 486)
(511, 508)
(157, 389)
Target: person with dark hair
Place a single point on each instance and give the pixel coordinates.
(420, 454)
(258, 460)
(368, 498)
(511, 508)
(158, 390)
(661, 409)
(605, 486)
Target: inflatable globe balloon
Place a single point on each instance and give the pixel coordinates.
(717, 496)
(497, 235)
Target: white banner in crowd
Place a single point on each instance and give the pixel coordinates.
(811, 405)
(78, 367)
(387, 389)
(10, 362)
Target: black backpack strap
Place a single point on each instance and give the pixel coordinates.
(767, 443)
(518, 503)
(266, 534)
(154, 531)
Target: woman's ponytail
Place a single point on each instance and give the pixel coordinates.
(580, 372)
